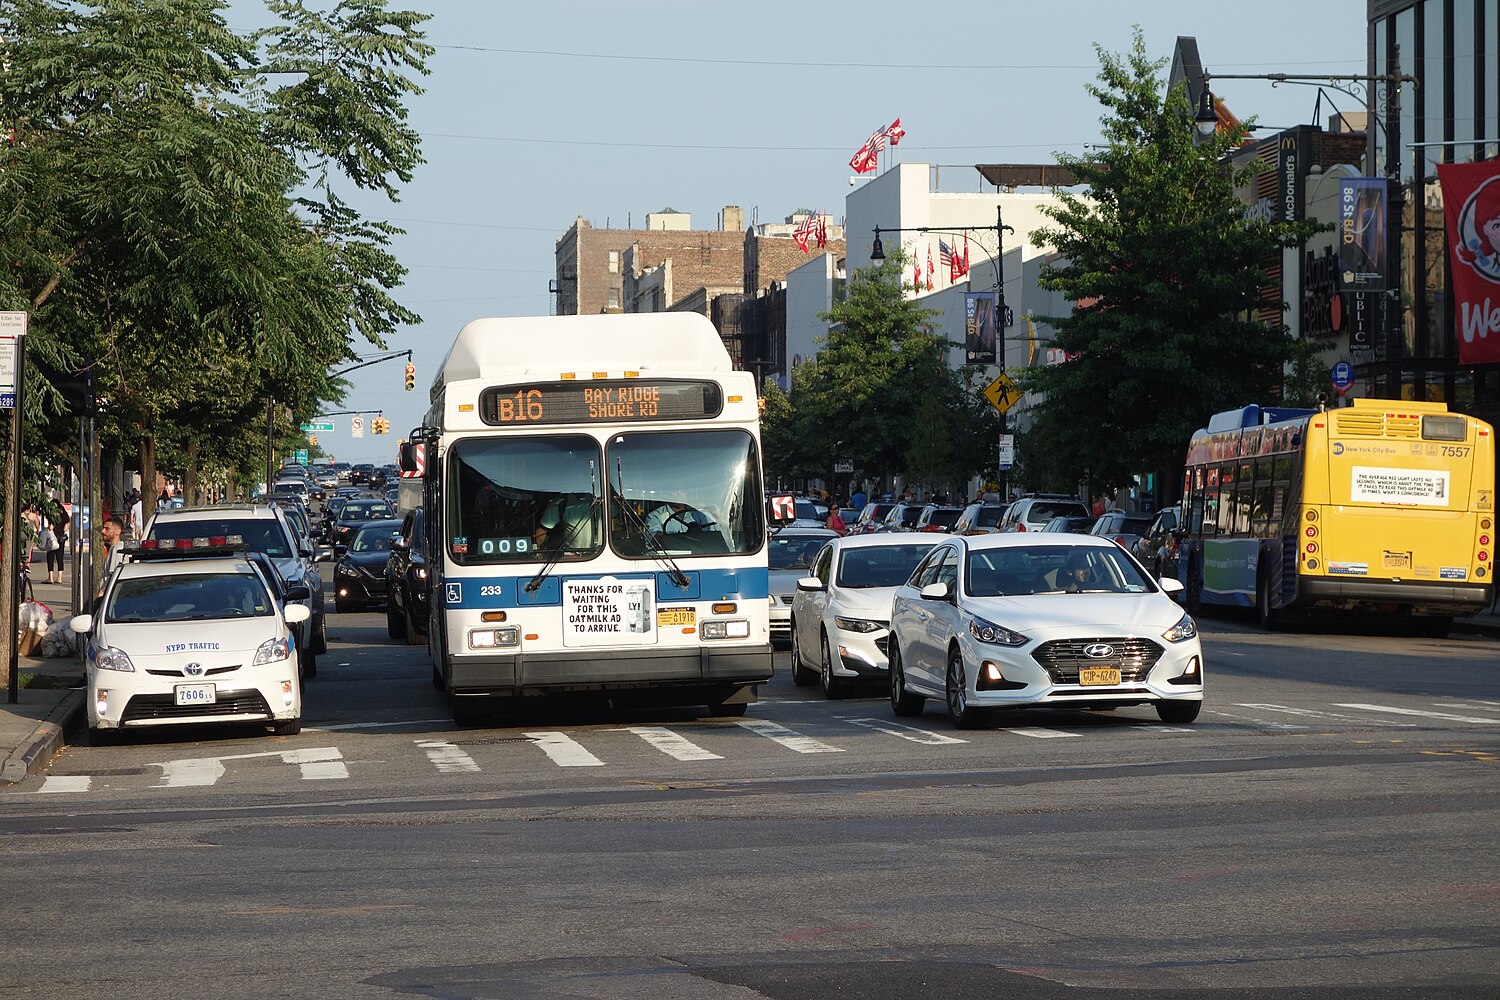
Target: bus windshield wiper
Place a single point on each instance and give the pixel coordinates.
(648, 542)
(566, 547)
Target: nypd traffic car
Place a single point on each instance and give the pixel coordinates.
(190, 637)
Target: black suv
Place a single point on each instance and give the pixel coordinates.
(406, 582)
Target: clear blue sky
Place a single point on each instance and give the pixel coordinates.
(538, 112)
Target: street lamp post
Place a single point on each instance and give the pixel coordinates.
(877, 253)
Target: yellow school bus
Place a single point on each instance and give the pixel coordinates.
(1385, 506)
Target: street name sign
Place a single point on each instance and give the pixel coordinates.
(1003, 393)
(318, 427)
(12, 329)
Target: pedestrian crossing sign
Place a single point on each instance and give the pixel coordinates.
(1003, 393)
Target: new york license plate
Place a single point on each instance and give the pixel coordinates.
(1090, 676)
(194, 694)
(666, 617)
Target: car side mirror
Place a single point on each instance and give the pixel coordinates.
(935, 592)
(400, 545)
(297, 592)
(340, 549)
(296, 613)
(323, 554)
(810, 583)
(81, 624)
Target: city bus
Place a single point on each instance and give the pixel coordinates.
(1384, 506)
(595, 515)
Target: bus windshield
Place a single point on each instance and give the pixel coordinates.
(524, 499)
(685, 493)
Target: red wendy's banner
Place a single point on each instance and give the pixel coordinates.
(1471, 209)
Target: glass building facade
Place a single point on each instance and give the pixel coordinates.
(1450, 113)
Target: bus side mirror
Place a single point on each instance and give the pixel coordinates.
(406, 461)
(782, 510)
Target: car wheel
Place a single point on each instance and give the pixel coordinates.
(288, 727)
(964, 715)
(1178, 712)
(903, 702)
(309, 662)
(395, 624)
(320, 641)
(801, 676)
(833, 687)
(413, 637)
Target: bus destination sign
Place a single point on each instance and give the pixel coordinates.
(599, 401)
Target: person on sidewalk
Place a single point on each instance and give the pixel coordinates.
(109, 533)
(59, 550)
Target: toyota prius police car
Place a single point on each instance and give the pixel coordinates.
(191, 636)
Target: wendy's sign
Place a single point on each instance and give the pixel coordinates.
(1471, 209)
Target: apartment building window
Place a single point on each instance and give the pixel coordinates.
(614, 262)
(614, 298)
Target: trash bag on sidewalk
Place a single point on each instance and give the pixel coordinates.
(59, 641)
(34, 616)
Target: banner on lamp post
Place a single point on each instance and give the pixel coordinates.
(1362, 243)
(980, 323)
(1471, 212)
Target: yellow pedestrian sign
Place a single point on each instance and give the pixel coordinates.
(1003, 393)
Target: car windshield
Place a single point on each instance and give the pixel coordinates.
(259, 534)
(879, 565)
(1052, 569)
(356, 510)
(376, 537)
(794, 551)
(182, 597)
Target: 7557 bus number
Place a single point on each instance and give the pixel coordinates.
(1453, 450)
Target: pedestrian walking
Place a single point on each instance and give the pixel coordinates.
(110, 533)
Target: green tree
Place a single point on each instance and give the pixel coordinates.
(1165, 271)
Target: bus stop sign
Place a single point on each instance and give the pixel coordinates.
(1342, 376)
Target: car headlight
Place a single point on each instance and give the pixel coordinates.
(995, 635)
(344, 569)
(1185, 629)
(421, 572)
(858, 624)
(109, 658)
(273, 651)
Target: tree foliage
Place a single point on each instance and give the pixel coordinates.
(1165, 271)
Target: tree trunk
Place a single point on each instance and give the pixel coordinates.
(190, 474)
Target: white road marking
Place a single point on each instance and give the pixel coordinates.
(672, 744)
(563, 750)
(1469, 704)
(192, 771)
(316, 763)
(447, 758)
(1226, 652)
(1308, 713)
(1039, 733)
(905, 732)
(1152, 728)
(1425, 715)
(373, 725)
(1260, 722)
(787, 738)
(65, 783)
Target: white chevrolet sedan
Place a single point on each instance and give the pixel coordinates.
(1006, 621)
(192, 639)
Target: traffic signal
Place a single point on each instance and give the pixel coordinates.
(312, 439)
(411, 376)
(380, 425)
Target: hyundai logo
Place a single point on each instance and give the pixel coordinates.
(193, 669)
(1098, 650)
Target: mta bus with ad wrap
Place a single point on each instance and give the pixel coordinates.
(1384, 506)
(595, 508)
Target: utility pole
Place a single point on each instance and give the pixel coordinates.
(1000, 335)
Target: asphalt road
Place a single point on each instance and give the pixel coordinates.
(1326, 829)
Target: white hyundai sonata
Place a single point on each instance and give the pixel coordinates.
(1005, 621)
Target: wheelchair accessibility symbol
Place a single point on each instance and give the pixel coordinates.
(454, 593)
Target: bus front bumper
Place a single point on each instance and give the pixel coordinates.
(604, 670)
(1430, 597)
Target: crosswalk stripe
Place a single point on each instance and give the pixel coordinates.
(317, 763)
(1425, 715)
(192, 771)
(65, 783)
(1039, 732)
(1153, 728)
(787, 738)
(1468, 705)
(1308, 713)
(905, 732)
(1260, 722)
(672, 744)
(563, 750)
(447, 758)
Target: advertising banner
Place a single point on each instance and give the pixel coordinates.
(1362, 243)
(1471, 210)
(979, 327)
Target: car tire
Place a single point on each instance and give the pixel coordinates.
(309, 662)
(962, 714)
(437, 678)
(834, 688)
(413, 637)
(320, 641)
(903, 702)
(288, 727)
(395, 624)
(801, 676)
(1178, 713)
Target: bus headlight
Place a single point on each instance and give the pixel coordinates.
(491, 638)
(734, 628)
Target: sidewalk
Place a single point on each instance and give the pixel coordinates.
(35, 729)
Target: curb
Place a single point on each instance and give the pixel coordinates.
(45, 741)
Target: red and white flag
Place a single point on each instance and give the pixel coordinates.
(930, 269)
(867, 158)
(822, 231)
(965, 270)
(805, 230)
(1471, 208)
(916, 276)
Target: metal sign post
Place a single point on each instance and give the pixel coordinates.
(13, 364)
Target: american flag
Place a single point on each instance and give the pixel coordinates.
(805, 230)
(949, 259)
(868, 156)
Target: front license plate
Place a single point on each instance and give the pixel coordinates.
(1089, 676)
(666, 617)
(194, 694)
